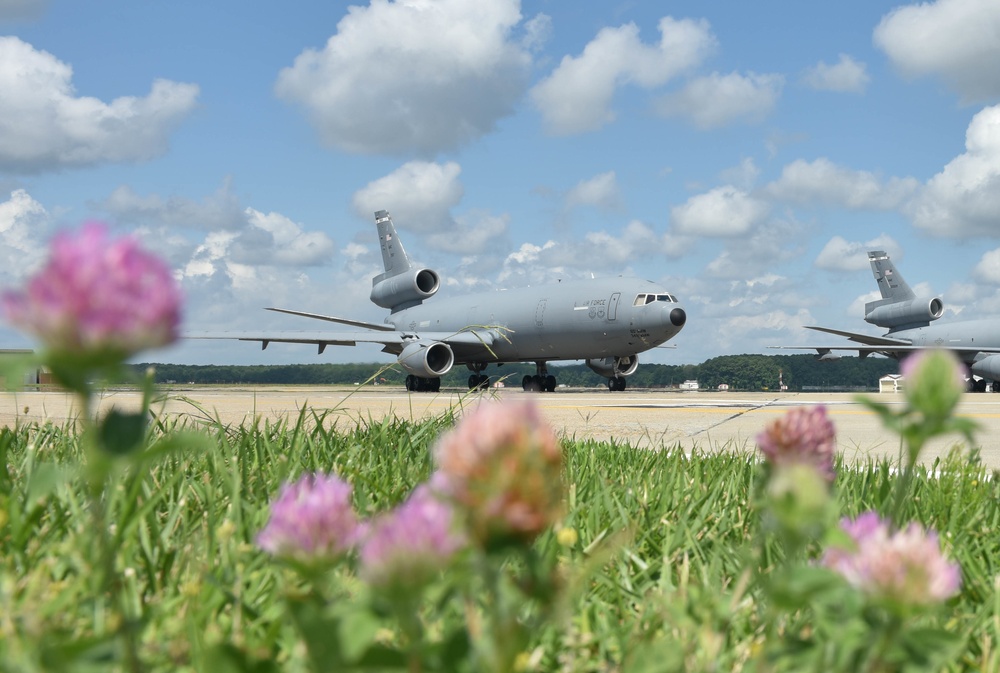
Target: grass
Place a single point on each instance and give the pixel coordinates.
(657, 574)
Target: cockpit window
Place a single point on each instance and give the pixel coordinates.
(643, 299)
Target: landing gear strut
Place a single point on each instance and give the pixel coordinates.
(541, 381)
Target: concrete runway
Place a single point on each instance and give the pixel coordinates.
(651, 419)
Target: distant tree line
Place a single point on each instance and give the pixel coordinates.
(739, 372)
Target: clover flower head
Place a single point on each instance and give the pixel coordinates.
(933, 381)
(801, 436)
(311, 519)
(501, 467)
(98, 295)
(905, 567)
(404, 548)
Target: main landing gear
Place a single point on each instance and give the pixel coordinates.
(616, 384)
(478, 380)
(420, 384)
(542, 381)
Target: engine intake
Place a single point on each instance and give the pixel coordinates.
(624, 365)
(900, 314)
(405, 289)
(427, 359)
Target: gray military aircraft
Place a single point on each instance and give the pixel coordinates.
(908, 319)
(605, 322)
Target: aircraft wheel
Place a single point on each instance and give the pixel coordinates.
(996, 386)
(473, 381)
(526, 383)
(434, 385)
(411, 383)
(616, 384)
(981, 386)
(550, 384)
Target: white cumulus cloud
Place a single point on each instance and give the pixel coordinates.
(719, 100)
(823, 182)
(419, 195)
(722, 212)
(846, 76)
(23, 226)
(964, 198)
(839, 254)
(988, 268)
(414, 75)
(577, 96)
(45, 125)
(957, 40)
(600, 191)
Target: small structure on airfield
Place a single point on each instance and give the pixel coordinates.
(690, 384)
(891, 383)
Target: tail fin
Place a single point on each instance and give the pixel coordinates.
(899, 308)
(890, 282)
(394, 257)
(402, 285)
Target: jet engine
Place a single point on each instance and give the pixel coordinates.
(405, 289)
(988, 367)
(903, 313)
(427, 359)
(624, 365)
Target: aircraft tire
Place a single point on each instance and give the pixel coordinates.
(995, 387)
(616, 384)
(526, 383)
(550, 384)
(411, 383)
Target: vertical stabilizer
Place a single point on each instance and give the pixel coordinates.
(402, 285)
(890, 282)
(394, 258)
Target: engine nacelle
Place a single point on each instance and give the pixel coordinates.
(427, 359)
(624, 365)
(987, 368)
(902, 313)
(407, 288)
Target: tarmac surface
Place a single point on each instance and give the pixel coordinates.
(704, 421)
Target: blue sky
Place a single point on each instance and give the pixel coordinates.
(745, 155)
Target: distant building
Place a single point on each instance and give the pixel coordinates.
(891, 383)
(690, 384)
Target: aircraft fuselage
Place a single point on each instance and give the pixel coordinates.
(569, 320)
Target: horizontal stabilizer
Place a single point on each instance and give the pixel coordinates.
(382, 327)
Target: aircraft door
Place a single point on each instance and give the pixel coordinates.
(613, 306)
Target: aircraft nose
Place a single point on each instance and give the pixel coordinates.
(678, 317)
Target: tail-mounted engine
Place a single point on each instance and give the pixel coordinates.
(914, 312)
(427, 359)
(624, 365)
(405, 289)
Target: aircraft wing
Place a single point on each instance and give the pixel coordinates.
(867, 339)
(380, 327)
(465, 342)
(883, 345)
